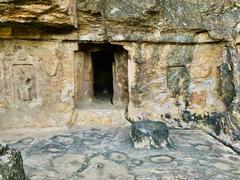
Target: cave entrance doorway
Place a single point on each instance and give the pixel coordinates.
(101, 76)
(102, 62)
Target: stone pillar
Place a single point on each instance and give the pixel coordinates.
(83, 78)
(120, 77)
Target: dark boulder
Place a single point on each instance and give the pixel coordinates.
(148, 134)
(11, 164)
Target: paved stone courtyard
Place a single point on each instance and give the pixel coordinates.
(105, 154)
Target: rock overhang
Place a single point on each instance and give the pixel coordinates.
(53, 13)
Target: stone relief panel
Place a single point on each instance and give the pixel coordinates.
(34, 76)
(24, 85)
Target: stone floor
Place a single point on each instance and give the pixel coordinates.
(102, 154)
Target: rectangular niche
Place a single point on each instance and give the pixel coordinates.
(101, 75)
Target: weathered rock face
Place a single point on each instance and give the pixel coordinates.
(168, 57)
(42, 12)
(11, 164)
(159, 20)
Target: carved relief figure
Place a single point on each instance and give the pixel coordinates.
(24, 82)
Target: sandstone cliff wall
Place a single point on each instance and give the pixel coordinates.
(183, 61)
